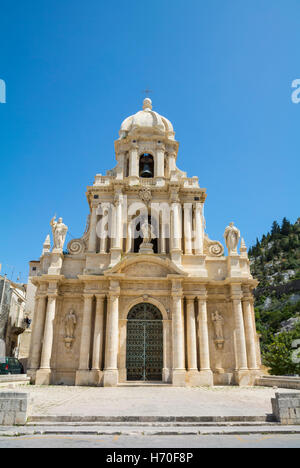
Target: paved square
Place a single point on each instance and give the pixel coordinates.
(150, 401)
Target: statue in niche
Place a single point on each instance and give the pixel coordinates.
(59, 231)
(218, 322)
(70, 322)
(232, 236)
(147, 232)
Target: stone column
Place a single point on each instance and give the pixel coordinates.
(188, 216)
(191, 334)
(199, 229)
(172, 162)
(250, 333)
(133, 164)
(83, 373)
(93, 233)
(176, 230)
(122, 357)
(129, 235)
(167, 351)
(37, 334)
(206, 374)
(43, 375)
(121, 166)
(117, 247)
(112, 338)
(98, 333)
(179, 370)
(160, 164)
(162, 234)
(240, 340)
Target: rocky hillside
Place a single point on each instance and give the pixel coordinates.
(275, 262)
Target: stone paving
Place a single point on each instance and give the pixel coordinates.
(177, 442)
(150, 401)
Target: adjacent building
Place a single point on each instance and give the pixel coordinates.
(12, 316)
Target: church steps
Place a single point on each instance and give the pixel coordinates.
(159, 420)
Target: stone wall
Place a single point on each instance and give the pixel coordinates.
(13, 408)
(278, 381)
(286, 408)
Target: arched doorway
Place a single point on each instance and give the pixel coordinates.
(144, 352)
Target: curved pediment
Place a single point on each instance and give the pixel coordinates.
(146, 266)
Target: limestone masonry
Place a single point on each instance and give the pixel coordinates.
(144, 294)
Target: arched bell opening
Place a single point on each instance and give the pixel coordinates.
(144, 347)
(146, 165)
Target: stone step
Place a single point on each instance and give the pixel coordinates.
(150, 419)
(157, 431)
(152, 425)
(144, 384)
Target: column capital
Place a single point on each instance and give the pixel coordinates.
(100, 297)
(88, 295)
(177, 294)
(236, 297)
(40, 296)
(202, 298)
(248, 298)
(190, 298)
(113, 295)
(52, 295)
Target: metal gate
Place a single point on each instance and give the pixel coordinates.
(144, 357)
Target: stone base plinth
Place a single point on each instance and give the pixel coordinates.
(43, 377)
(96, 376)
(56, 261)
(85, 378)
(166, 375)
(246, 377)
(179, 378)
(32, 374)
(110, 378)
(176, 255)
(233, 266)
(193, 378)
(146, 248)
(223, 378)
(115, 256)
(206, 378)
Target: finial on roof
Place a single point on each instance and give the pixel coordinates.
(147, 104)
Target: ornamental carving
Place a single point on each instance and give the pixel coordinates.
(145, 194)
(213, 248)
(76, 247)
(79, 246)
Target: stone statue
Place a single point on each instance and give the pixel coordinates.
(70, 322)
(232, 236)
(59, 231)
(218, 324)
(147, 231)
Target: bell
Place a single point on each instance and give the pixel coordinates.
(146, 171)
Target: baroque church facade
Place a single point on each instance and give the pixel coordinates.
(144, 295)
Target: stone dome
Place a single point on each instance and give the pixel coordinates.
(147, 121)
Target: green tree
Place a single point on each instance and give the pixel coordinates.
(285, 227)
(279, 354)
(275, 229)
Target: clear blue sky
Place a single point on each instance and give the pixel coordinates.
(220, 70)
